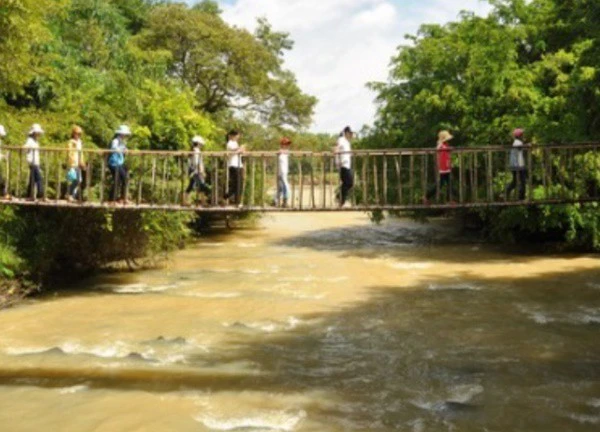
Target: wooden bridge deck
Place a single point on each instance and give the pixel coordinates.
(387, 180)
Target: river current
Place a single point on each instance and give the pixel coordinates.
(314, 323)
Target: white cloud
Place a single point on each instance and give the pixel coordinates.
(343, 44)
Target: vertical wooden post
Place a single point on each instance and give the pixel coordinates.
(141, 180)
(461, 178)
(376, 181)
(324, 191)
(102, 177)
(398, 163)
(365, 168)
(8, 167)
(424, 174)
(530, 174)
(385, 179)
(572, 170)
(332, 173)
(264, 181)
(476, 176)
(490, 178)
(312, 182)
(412, 178)
(252, 164)
(20, 174)
(47, 174)
(58, 176)
(183, 177)
(301, 182)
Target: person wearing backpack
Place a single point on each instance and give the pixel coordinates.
(197, 171)
(116, 165)
(35, 189)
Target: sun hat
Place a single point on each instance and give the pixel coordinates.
(517, 133)
(285, 141)
(36, 129)
(2, 131)
(76, 130)
(123, 130)
(445, 136)
(198, 140)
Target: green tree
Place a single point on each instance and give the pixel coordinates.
(228, 68)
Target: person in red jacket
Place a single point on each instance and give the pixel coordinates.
(444, 165)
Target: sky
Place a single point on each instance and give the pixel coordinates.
(340, 45)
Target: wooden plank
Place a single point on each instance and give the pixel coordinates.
(58, 177)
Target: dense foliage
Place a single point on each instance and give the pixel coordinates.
(169, 70)
(532, 64)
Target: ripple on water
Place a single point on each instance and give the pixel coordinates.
(272, 421)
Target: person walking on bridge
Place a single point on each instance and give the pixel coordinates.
(517, 166)
(444, 166)
(283, 185)
(3, 186)
(197, 171)
(344, 161)
(76, 164)
(116, 164)
(35, 189)
(236, 167)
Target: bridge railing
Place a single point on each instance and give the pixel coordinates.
(391, 179)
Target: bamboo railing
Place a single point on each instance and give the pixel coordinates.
(394, 180)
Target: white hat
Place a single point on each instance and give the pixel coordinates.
(36, 129)
(2, 131)
(198, 140)
(123, 130)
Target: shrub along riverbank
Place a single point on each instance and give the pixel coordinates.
(43, 245)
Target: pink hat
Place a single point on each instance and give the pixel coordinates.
(517, 133)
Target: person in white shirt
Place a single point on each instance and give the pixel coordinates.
(197, 171)
(36, 183)
(3, 186)
(283, 160)
(344, 161)
(236, 167)
(518, 166)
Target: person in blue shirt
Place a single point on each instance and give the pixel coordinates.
(116, 165)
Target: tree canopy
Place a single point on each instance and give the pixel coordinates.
(529, 63)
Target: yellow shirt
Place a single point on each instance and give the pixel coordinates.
(76, 158)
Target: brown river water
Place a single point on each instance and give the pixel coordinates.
(314, 323)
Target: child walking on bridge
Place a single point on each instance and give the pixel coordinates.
(517, 166)
(35, 188)
(116, 164)
(197, 171)
(283, 185)
(444, 166)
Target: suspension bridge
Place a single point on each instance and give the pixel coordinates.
(384, 180)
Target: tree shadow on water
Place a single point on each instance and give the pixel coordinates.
(415, 241)
(441, 356)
